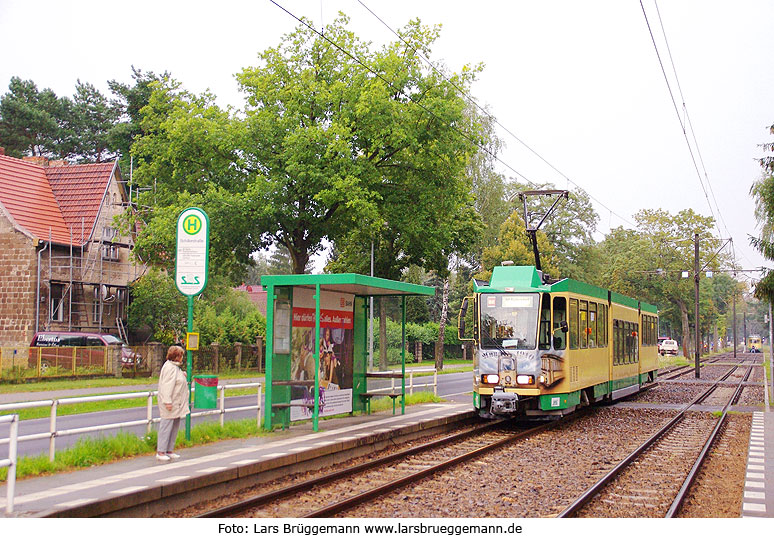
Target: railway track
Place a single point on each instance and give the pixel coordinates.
(742, 358)
(329, 495)
(655, 478)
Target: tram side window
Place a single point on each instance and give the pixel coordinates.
(573, 324)
(602, 326)
(648, 340)
(560, 315)
(616, 343)
(627, 342)
(593, 325)
(544, 341)
(584, 324)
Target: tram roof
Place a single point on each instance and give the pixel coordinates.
(353, 284)
(527, 279)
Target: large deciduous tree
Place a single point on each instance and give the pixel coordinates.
(356, 146)
(647, 264)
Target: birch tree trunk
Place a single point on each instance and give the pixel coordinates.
(442, 326)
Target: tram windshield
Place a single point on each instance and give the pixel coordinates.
(509, 320)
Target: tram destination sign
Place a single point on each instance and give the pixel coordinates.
(192, 252)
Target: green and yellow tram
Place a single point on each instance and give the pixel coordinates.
(754, 343)
(543, 348)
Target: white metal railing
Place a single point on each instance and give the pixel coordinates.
(10, 462)
(53, 433)
(410, 387)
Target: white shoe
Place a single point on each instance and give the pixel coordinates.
(162, 458)
(173, 455)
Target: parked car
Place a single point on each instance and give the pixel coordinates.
(667, 346)
(93, 344)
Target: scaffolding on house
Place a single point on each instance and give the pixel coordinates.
(88, 286)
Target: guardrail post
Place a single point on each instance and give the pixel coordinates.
(52, 432)
(222, 389)
(12, 457)
(260, 408)
(150, 413)
(435, 382)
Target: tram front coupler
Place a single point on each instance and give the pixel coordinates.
(504, 403)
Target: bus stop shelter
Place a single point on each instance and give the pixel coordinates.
(317, 344)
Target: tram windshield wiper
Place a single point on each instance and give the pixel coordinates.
(495, 343)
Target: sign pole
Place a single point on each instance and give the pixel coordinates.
(189, 370)
(191, 268)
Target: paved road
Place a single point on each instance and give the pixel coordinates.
(451, 386)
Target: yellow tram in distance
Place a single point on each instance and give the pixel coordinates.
(543, 348)
(754, 343)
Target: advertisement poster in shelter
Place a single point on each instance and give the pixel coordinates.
(336, 351)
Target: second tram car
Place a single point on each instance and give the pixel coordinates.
(754, 343)
(544, 348)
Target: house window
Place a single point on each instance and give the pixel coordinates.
(56, 303)
(109, 252)
(109, 233)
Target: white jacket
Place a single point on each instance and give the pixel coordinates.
(173, 388)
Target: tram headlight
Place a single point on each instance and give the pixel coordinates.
(490, 379)
(525, 379)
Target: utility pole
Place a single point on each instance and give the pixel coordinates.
(697, 328)
(735, 343)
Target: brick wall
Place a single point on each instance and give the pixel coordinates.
(18, 275)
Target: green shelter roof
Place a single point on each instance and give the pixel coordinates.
(353, 284)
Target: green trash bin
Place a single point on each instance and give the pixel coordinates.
(205, 391)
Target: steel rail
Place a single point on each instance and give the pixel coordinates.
(581, 501)
(260, 500)
(346, 504)
(266, 498)
(683, 493)
(677, 372)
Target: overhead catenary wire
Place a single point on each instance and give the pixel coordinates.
(496, 121)
(688, 118)
(679, 118)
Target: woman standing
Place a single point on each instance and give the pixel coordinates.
(173, 402)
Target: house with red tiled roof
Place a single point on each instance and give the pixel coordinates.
(256, 294)
(64, 266)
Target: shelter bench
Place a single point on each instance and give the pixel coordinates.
(368, 395)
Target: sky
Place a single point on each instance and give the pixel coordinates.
(578, 83)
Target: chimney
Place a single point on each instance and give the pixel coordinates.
(2, 151)
(37, 160)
